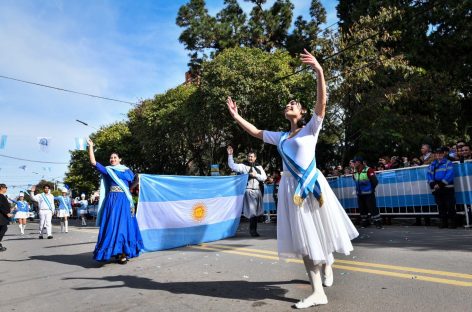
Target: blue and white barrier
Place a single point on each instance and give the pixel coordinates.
(268, 199)
(401, 189)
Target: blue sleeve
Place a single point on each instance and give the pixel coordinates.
(130, 175)
(100, 168)
(56, 197)
(449, 176)
(430, 173)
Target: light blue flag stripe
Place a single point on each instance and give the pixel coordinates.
(162, 188)
(160, 239)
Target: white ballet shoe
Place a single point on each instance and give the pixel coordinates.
(328, 276)
(312, 300)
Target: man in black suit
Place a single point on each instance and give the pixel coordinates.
(5, 214)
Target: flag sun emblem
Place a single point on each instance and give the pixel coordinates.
(199, 212)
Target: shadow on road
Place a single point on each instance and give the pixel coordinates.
(243, 290)
(84, 260)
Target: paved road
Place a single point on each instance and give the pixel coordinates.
(399, 268)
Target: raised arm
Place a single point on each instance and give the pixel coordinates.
(240, 168)
(91, 153)
(243, 123)
(309, 59)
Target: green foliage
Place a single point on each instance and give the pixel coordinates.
(81, 176)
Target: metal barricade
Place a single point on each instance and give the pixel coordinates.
(405, 192)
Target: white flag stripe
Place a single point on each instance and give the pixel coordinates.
(180, 214)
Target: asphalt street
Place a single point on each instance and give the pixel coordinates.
(399, 268)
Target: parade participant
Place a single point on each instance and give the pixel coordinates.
(5, 214)
(311, 223)
(65, 210)
(252, 204)
(366, 182)
(119, 234)
(45, 202)
(441, 180)
(82, 210)
(22, 211)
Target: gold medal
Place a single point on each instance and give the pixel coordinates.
(320, 200)
(297, 200)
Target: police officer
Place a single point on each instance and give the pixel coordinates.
(366, 182)
(441, 180)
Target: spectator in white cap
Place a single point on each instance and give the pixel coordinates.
(82, 211)
(22, 211)
(65, 209)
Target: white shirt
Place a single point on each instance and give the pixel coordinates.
(42, 203)
(242, 168)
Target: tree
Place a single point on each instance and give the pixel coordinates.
(81, 177)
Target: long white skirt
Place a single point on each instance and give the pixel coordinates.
(21, 215)
(62, 213)
(311, 230)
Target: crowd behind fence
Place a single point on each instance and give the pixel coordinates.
(400, 192)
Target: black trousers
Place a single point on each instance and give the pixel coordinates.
(367, 203)
(3, 230)
(446, 201)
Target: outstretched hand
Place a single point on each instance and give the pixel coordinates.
(89, 142)
(307, 58)
(233, 109)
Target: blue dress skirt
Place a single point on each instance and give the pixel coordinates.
(119, 232)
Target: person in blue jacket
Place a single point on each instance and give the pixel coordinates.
(441, 181)
(119, 234)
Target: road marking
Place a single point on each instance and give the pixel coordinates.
(357, 266)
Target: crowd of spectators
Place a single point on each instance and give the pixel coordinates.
(457, 152)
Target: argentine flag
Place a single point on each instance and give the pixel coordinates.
(176, 211)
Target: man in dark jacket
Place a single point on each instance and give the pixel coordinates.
(5, 214)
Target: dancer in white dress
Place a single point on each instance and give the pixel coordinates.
(22, 211)
(311, 223)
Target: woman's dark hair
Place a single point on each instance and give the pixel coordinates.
(116, 153)
(305, 116)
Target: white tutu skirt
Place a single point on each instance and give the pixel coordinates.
(21, 215)
(62, 213)
(311, 230)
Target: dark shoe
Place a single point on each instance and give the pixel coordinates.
(3, 248)
(123, 260)
(40, 237)
(255, 234)
(50, 237)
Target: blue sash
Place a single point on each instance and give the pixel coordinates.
(22, 206)
(307, 178)
(104, 189)
(47, 201)
(64, 203)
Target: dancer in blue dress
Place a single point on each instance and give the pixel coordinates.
(119, 234)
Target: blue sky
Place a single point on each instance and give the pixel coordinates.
(128, 50)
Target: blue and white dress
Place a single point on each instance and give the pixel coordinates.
(65, 207)
(22, 209)
(308, 229)
(119, 232)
